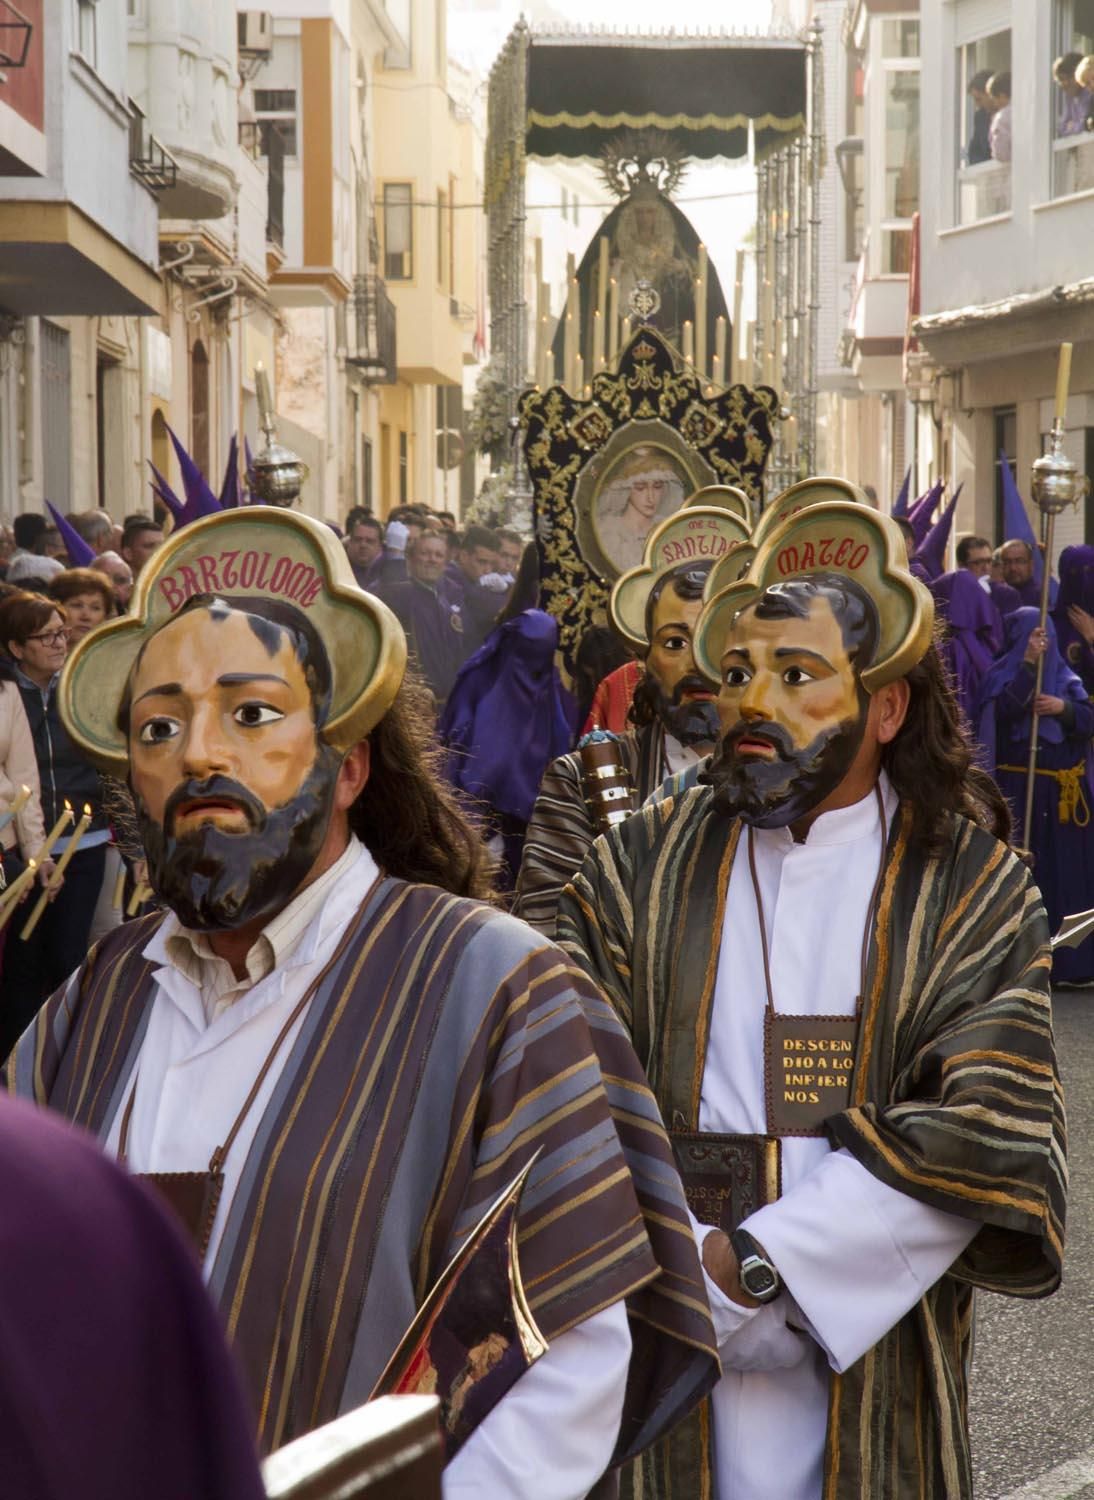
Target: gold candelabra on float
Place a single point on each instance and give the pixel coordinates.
(1056, 485)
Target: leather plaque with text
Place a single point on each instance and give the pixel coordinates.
(808, 1063)
(726, 1177)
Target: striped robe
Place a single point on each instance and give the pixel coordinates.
(561, 832)
(444, 1045)
(955, 1100)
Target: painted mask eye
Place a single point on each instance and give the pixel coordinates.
(797, 677)
(158, 731)
(736, 676)
(254, 715)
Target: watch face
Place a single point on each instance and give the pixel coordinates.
(757, 1278)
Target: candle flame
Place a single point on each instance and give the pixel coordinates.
(68, 805)
(87, 810)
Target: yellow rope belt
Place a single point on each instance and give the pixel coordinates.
(1073, 804)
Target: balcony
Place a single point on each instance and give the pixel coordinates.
(371, 334)
(983, 191)
(1072, 165)
(148, 161)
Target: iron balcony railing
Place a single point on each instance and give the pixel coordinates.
(149, 162)
(371, 333)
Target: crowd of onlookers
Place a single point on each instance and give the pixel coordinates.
(991, 136)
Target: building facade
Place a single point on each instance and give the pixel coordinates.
(1004, 270)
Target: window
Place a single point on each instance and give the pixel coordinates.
(275, 110)
(983, 175)
(87, 29)
(900, 39)
(901, 169)
(1005, 420)
(398, 232)
(1072, 97)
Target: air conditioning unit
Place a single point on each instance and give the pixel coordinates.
(255, 35)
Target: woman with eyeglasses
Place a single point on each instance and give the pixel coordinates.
(33, 646)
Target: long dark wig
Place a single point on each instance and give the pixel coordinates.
(930, 763)
(407, 815)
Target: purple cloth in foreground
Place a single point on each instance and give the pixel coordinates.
(1005, 599)
(974, 634)
(505, 720)
(115, 1381)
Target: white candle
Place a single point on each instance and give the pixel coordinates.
(18, 802)
(1063, 382)
(613, 322)
(625, 336)
(598, 340)
(701, 313)
(58, 874)
(719, 345)
(689, 343)
(14, 893)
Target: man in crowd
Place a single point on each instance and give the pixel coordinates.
(433, 624)
(836, 974)
(364, 543)
(675, 718)
(474, 586)
(375, 1055)
(974, 553)
(510, 550)
(979, 148)
(1018, 574)
(1073, 107)
(120, 574)
(96, 528)
(140, 540)
(1000, 131)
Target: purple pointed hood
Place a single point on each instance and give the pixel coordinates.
(919, 517)
(229, 490)
(165, 493)
(931, 552)
(200, 500)
(900, 504)
(1017, 526)
(80, 554)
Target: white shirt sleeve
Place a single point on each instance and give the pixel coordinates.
(750, 1338)
(554, 1434)
(855, 1254)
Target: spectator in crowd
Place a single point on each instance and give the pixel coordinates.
(96, 528)
(120, 574)
(29, 529)
(23, 836)
(974, 554)
(34, 644)
(364, 543)
(140, 539)
(473, 583)
(979, 148)
(87, 598)
(1073, 105)
(1084, 77)
(1016, 557)
(432, 621)
(53, 546)
(999, 132)
(447, 520)
(510, 551)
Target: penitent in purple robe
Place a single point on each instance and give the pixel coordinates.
(115, 1380)
(1063, 797)
(1076, 587)
(434, 632)
(972, 637)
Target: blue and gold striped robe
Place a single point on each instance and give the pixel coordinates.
(955, 1099)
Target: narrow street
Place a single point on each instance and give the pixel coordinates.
(1033, 1381)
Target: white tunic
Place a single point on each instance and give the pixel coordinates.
(207, 1037)
(855, 1254)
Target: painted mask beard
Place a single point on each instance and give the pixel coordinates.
(216, 881)
(776, 793)
(692, 723)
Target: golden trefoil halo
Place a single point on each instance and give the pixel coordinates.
(821, 490)
(725, 497)
(701, 533)
(255, 552)
(845, 538)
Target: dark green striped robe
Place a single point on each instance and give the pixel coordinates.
(444, 1045)
(955, 1100)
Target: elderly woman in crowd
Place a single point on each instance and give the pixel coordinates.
(22, 835)
(33, 647)
(1059, 836)
(87, 598)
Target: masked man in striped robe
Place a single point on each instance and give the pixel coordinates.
(329, 1059)
(653, 608)
(836, 974)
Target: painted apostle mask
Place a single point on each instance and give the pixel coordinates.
(792, 708)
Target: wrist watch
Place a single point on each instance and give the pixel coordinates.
(758, 1276)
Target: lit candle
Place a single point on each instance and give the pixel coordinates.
(613, 321)
(719, 344)
(598, 340)
(262, 391)
(625, 336)
(14, 893)
(716, 373)
(1063, 381)
(55, 833)
(689, 343)
(701, 313)
(601, 303)
(58, 874)
(18, 802)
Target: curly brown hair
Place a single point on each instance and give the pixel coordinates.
(930, 763)
(407, 816)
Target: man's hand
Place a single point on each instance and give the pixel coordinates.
(1082, 622)
(1046, 706)
(1036, 646)
(720, 1264)
(48, 879)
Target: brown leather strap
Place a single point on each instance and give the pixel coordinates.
(868, 929)
(216, 1161)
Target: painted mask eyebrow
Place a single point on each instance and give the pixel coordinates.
(784, 651)
(161, 690)
(241, 679)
